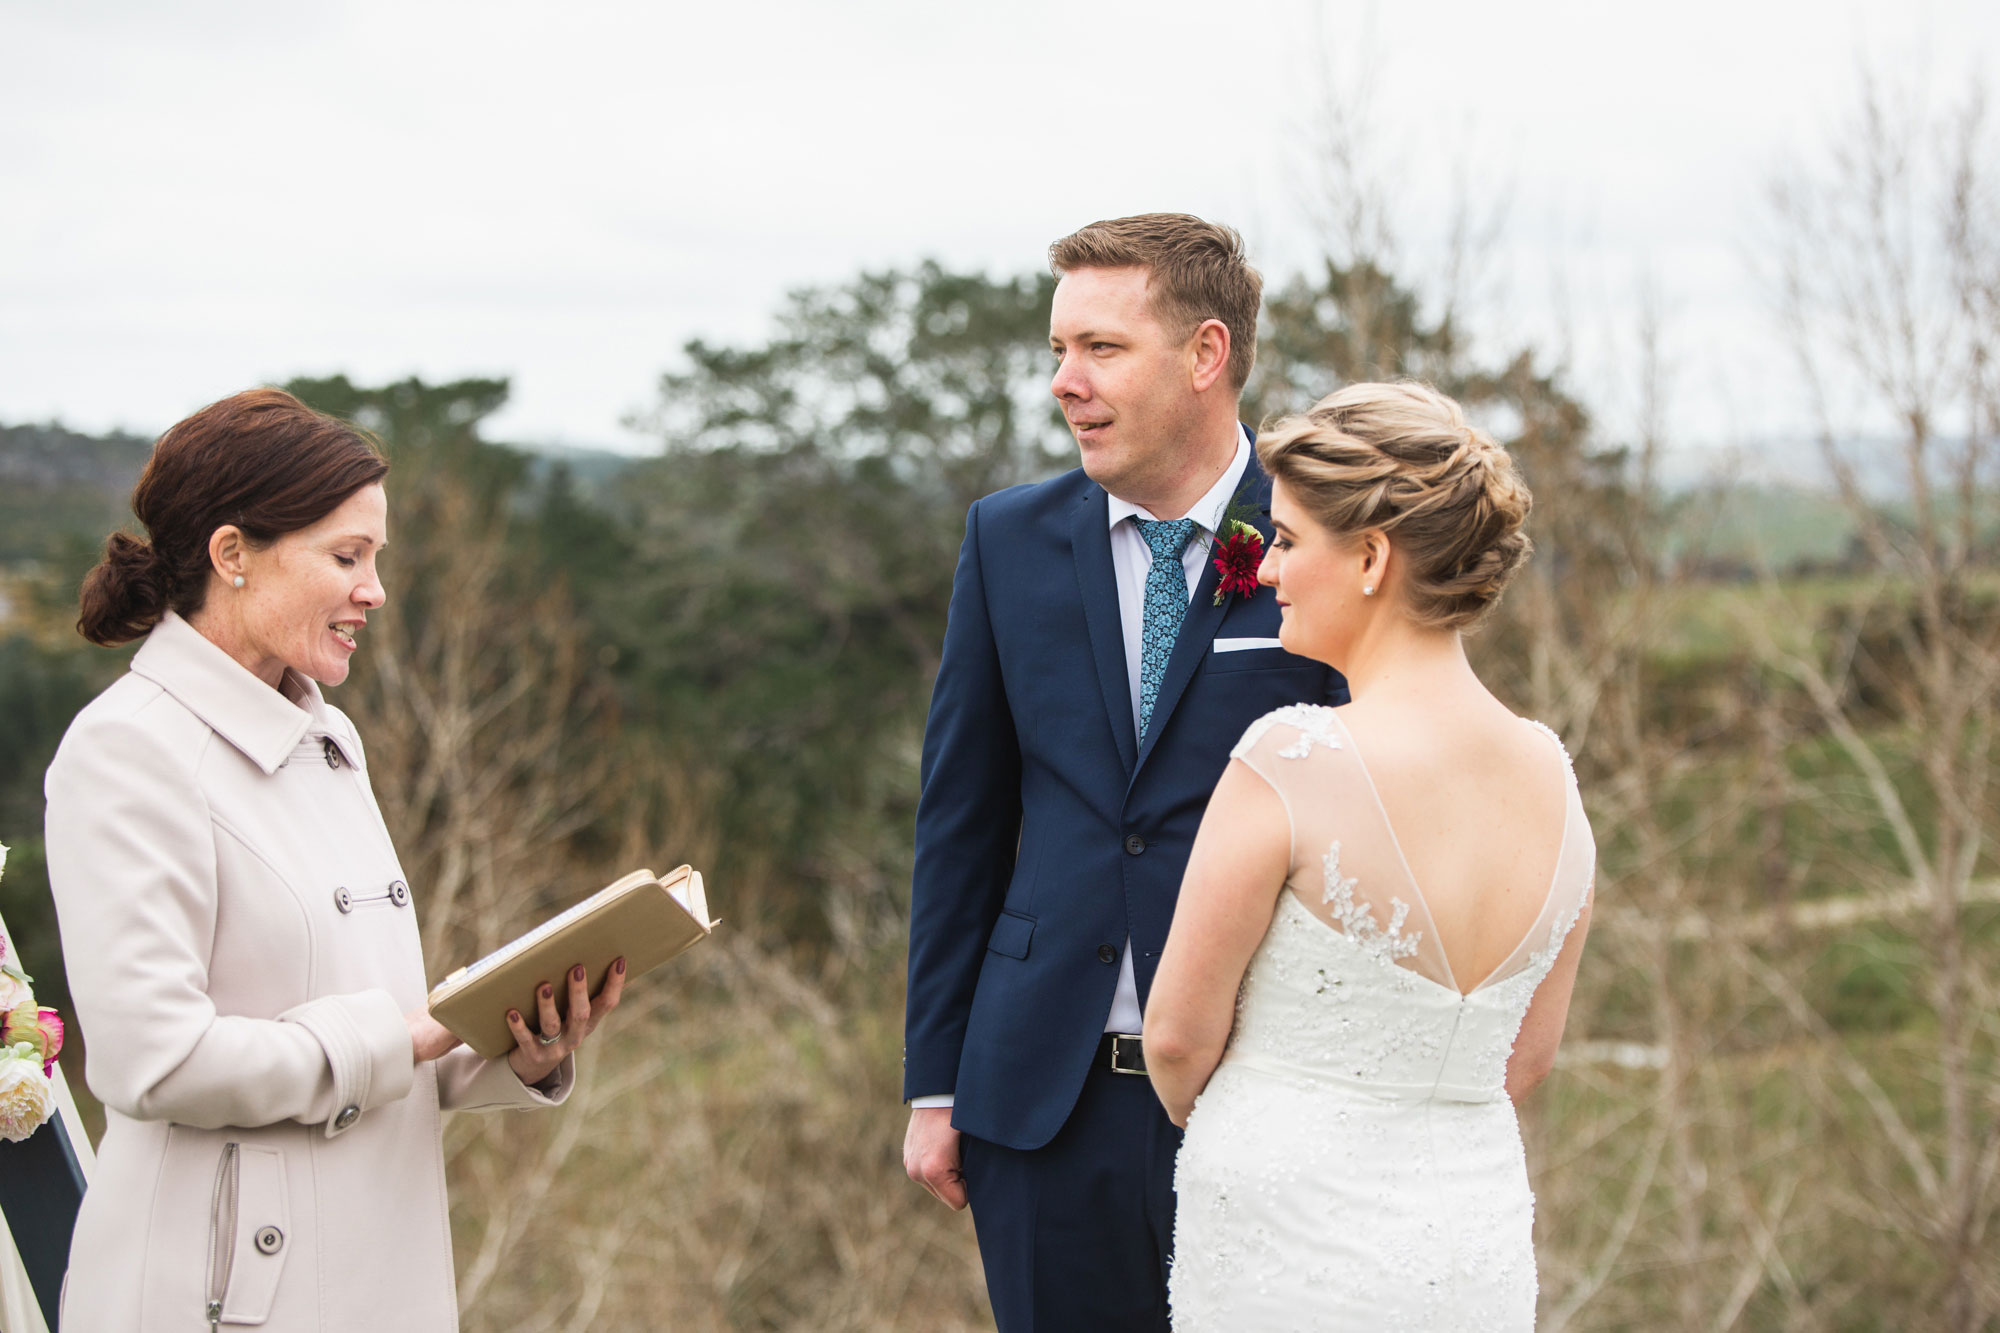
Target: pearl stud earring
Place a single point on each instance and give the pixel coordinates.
(238, 580)
(1367, 590)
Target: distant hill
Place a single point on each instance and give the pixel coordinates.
(53, 456)
(1745, 527)
(595, 471)
(57, 484)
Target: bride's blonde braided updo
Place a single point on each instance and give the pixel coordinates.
(1400, 457)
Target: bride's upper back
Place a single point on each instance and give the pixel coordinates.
(1475, 805)
(1454, 846)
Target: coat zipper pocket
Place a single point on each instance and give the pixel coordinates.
(221, 1234)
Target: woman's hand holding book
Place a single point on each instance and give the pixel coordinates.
(539, 1049)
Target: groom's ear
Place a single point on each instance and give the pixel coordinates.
(1209, 362)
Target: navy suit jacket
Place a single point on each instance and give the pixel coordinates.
(1046, 834)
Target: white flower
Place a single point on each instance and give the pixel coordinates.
(27, 1098)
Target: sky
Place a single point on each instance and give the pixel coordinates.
(203, 195)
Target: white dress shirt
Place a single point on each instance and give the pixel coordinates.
(1131, 561)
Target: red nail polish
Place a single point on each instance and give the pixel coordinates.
(619, 967)
(513, 1015)
(548, 992)
(577, 972)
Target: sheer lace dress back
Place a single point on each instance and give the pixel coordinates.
(1349, 870)
(1355, 1162)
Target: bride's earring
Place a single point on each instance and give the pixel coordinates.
(238, 581)
(1367, 590)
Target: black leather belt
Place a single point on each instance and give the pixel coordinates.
(1122, 1053)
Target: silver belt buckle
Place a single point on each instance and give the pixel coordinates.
(1118, 1048)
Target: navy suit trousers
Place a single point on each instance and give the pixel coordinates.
(1078, 1235)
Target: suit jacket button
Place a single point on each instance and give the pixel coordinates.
(348, 1115)
(1106, 954)
(1134, 844)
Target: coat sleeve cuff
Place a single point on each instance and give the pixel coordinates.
(468, 1083)
(368, 1053)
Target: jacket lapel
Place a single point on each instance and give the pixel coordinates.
(1090, 541)
(1204, 617)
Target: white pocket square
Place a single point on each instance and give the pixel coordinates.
(1244, 645)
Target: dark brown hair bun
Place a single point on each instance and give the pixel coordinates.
(127, 590)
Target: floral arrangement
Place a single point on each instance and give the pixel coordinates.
(1239, 550)
(30, 1039)
(1238, 545)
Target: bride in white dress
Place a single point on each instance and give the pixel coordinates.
(1374, 948)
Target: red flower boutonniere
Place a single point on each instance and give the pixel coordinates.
(1239, 550)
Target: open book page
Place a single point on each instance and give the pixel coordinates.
(689, 894)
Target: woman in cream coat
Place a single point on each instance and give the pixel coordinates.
(240, 939)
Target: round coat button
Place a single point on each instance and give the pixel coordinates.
(1106, 954)
(1134, 844)
(343, 900)
(269, 1240)
(348, 1115)
(332, 753)
(399, 894)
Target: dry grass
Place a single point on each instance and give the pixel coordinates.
(732, 1160)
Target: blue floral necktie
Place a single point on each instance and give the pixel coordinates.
(1166, 605)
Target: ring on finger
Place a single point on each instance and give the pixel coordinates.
(548, 1041)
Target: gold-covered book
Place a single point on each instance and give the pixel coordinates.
(644, 917)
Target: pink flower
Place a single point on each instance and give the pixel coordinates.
(52, 1028)
(36, 1027)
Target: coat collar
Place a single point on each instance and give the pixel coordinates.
(265, 724)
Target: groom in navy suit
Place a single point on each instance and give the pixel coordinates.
(1092, 685)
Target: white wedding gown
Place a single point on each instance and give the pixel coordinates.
(1355, 1162)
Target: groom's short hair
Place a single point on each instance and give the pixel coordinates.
(1197, 272)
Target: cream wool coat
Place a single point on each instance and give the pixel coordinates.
(242, 947)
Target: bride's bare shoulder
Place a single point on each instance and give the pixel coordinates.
(1478, 739)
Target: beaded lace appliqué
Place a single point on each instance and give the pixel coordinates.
(1544, 958)
(1313, 722)
(1315, 727)
(1359, 923)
